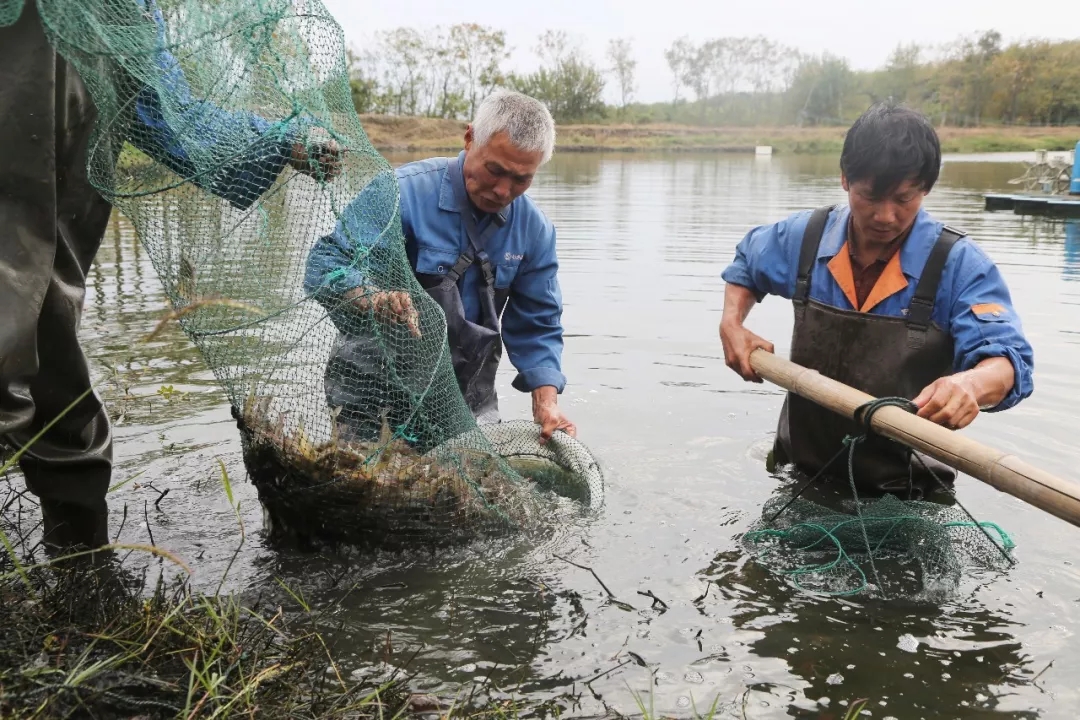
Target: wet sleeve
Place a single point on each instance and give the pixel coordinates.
(984, 323)
(532, 322)
(234, 154)
(360, 249)
(767, 258)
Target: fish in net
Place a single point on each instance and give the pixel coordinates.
(227, 134)
(844, 545)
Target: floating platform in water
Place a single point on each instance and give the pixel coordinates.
(1061, 206)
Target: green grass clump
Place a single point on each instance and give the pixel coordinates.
(86, 639)
(84, 636)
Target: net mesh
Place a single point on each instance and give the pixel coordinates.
(227, 134)
(10, 10)
(846, 545)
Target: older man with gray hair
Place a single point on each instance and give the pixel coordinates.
(481, 249)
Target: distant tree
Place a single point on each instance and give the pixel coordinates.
(978, 82)
(442, 94)
(568, 82)
(479, 52)
(901, 73)
(402, 60)
(820, 87)
(362, 83)
(699, 72)
(1014, 73)
(976, 79)
(678, 58)
(623, 66)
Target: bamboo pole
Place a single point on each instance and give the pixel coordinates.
(1005, 472)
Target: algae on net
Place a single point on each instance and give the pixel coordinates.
(382, 492)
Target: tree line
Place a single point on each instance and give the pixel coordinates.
(976, 80)
(445, 72)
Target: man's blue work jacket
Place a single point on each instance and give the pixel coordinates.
(522, 252)
(972, 304)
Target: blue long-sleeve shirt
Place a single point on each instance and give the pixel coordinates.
(237, 155)
(973, 303)
(522, 252)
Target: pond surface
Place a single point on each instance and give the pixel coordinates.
(642, 242)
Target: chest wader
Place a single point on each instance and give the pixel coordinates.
(355, 378)
(51, 224)
(475, 348)
(882, 356)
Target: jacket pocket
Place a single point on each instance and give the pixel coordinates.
(433, 261)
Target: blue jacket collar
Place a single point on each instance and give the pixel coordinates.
(913, 254)
(448, 199)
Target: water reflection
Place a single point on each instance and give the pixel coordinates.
(580, 170)
(1072, 249)
(170, 418)
(470, 617)
(912, 658)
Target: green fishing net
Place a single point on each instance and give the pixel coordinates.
(10, 10)
(216, 134)
(839, 544)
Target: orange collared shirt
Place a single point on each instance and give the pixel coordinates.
(866, 286)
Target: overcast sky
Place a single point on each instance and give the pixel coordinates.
(864, 31)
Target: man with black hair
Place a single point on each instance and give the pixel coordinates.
(888, 300)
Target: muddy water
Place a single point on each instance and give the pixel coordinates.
(642, 242)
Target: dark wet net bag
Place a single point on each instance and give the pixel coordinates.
(885, 546)
(840, 545)
(227, 134)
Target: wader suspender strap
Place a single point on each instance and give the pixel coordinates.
(922, 304)
(477, 240)
(815, 229)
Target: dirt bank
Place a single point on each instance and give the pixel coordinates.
(391, 134)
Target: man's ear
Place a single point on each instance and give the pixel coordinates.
(468, 137)
(844, 182)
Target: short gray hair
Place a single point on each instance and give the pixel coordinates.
(525, 119)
